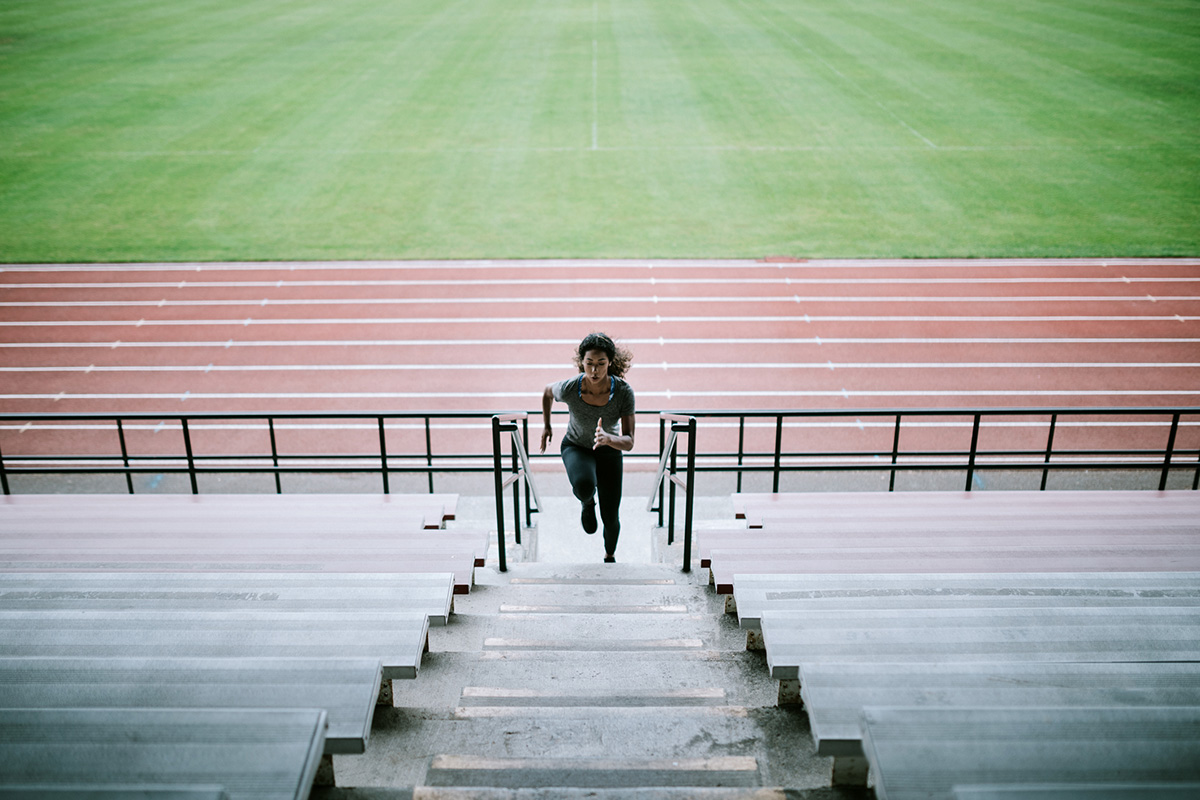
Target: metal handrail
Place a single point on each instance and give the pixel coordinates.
(1166, 458)
(1163, 459)
(193, 464)
(668, 472)
(520, 471)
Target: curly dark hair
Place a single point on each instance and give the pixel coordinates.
(619, 359)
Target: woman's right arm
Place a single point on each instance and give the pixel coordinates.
(547, 402)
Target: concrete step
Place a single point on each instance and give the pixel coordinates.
(776, 737)
(591, 678)
(607, 773)
(590, 632)
(570, 793)
(445, 675)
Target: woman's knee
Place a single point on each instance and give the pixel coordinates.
(584, 488)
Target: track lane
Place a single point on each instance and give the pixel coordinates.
(487, 335)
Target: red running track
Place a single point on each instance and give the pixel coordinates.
(487, 336)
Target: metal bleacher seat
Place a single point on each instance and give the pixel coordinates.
(426, 593)
(835, 693)
(395, 638)
(1063, 634)
(755, 594)
(345, 688)
(959, 532)
(226, 533)
(1054, 606)
(1079, 791)
(256, 754)
(928, 752)
(157, 608)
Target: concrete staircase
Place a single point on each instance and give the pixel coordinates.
(598, 680)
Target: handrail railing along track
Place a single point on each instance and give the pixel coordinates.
(1158, 446)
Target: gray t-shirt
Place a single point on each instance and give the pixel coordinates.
(582, 426)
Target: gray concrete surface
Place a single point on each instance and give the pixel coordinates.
(606, 678)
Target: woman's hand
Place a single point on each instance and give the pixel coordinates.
(547, 435)
(601, 439)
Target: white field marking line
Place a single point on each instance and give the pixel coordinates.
(663, 365)
(248, 321)
(654, 300)
(595, 76)
(652, 281)
(633, 148)
(848, 80)
(665, 394)
(662, 342)
(590, 265)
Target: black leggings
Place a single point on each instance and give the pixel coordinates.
(591, 470)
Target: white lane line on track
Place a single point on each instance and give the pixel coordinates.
(823, 365)
(570, 342)
(668, 394)
(590, 265)
(458, 301)
(593, 281)
(243, 322)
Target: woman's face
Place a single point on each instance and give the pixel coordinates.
(595, 365)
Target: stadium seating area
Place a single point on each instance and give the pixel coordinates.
(977, 645)
(950, 645)
(225, 645)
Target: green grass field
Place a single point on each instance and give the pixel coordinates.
(148, 130)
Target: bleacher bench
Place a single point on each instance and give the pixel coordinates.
(835, 693)
(1160, 633)
(396, 639)
(419, 510)
(260, 754)
(244, 533)
(755, 594)
(1168, 508)
(927, 752)
(1079, 791)
(915, 532)
(345, 688)
(425, 593)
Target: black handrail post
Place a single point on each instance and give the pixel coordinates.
(528, 490)
(671, 491)
(778, 451)
(895, 454)
(383, 457)
(1166, 470)
(274, 455)
(971, 459)
(741, 449)
(1196, 477)
(4, 475)
(429, 453)
(1049, 450)
(516, 489)
(124, 454)
(662, 443)
(496, 469)
(690, 495)
(191, 460)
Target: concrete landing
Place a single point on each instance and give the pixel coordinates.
(604, 680)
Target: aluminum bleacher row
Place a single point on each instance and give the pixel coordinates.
(223, 645)
(979, 645)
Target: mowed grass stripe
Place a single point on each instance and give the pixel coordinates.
(300, 129)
